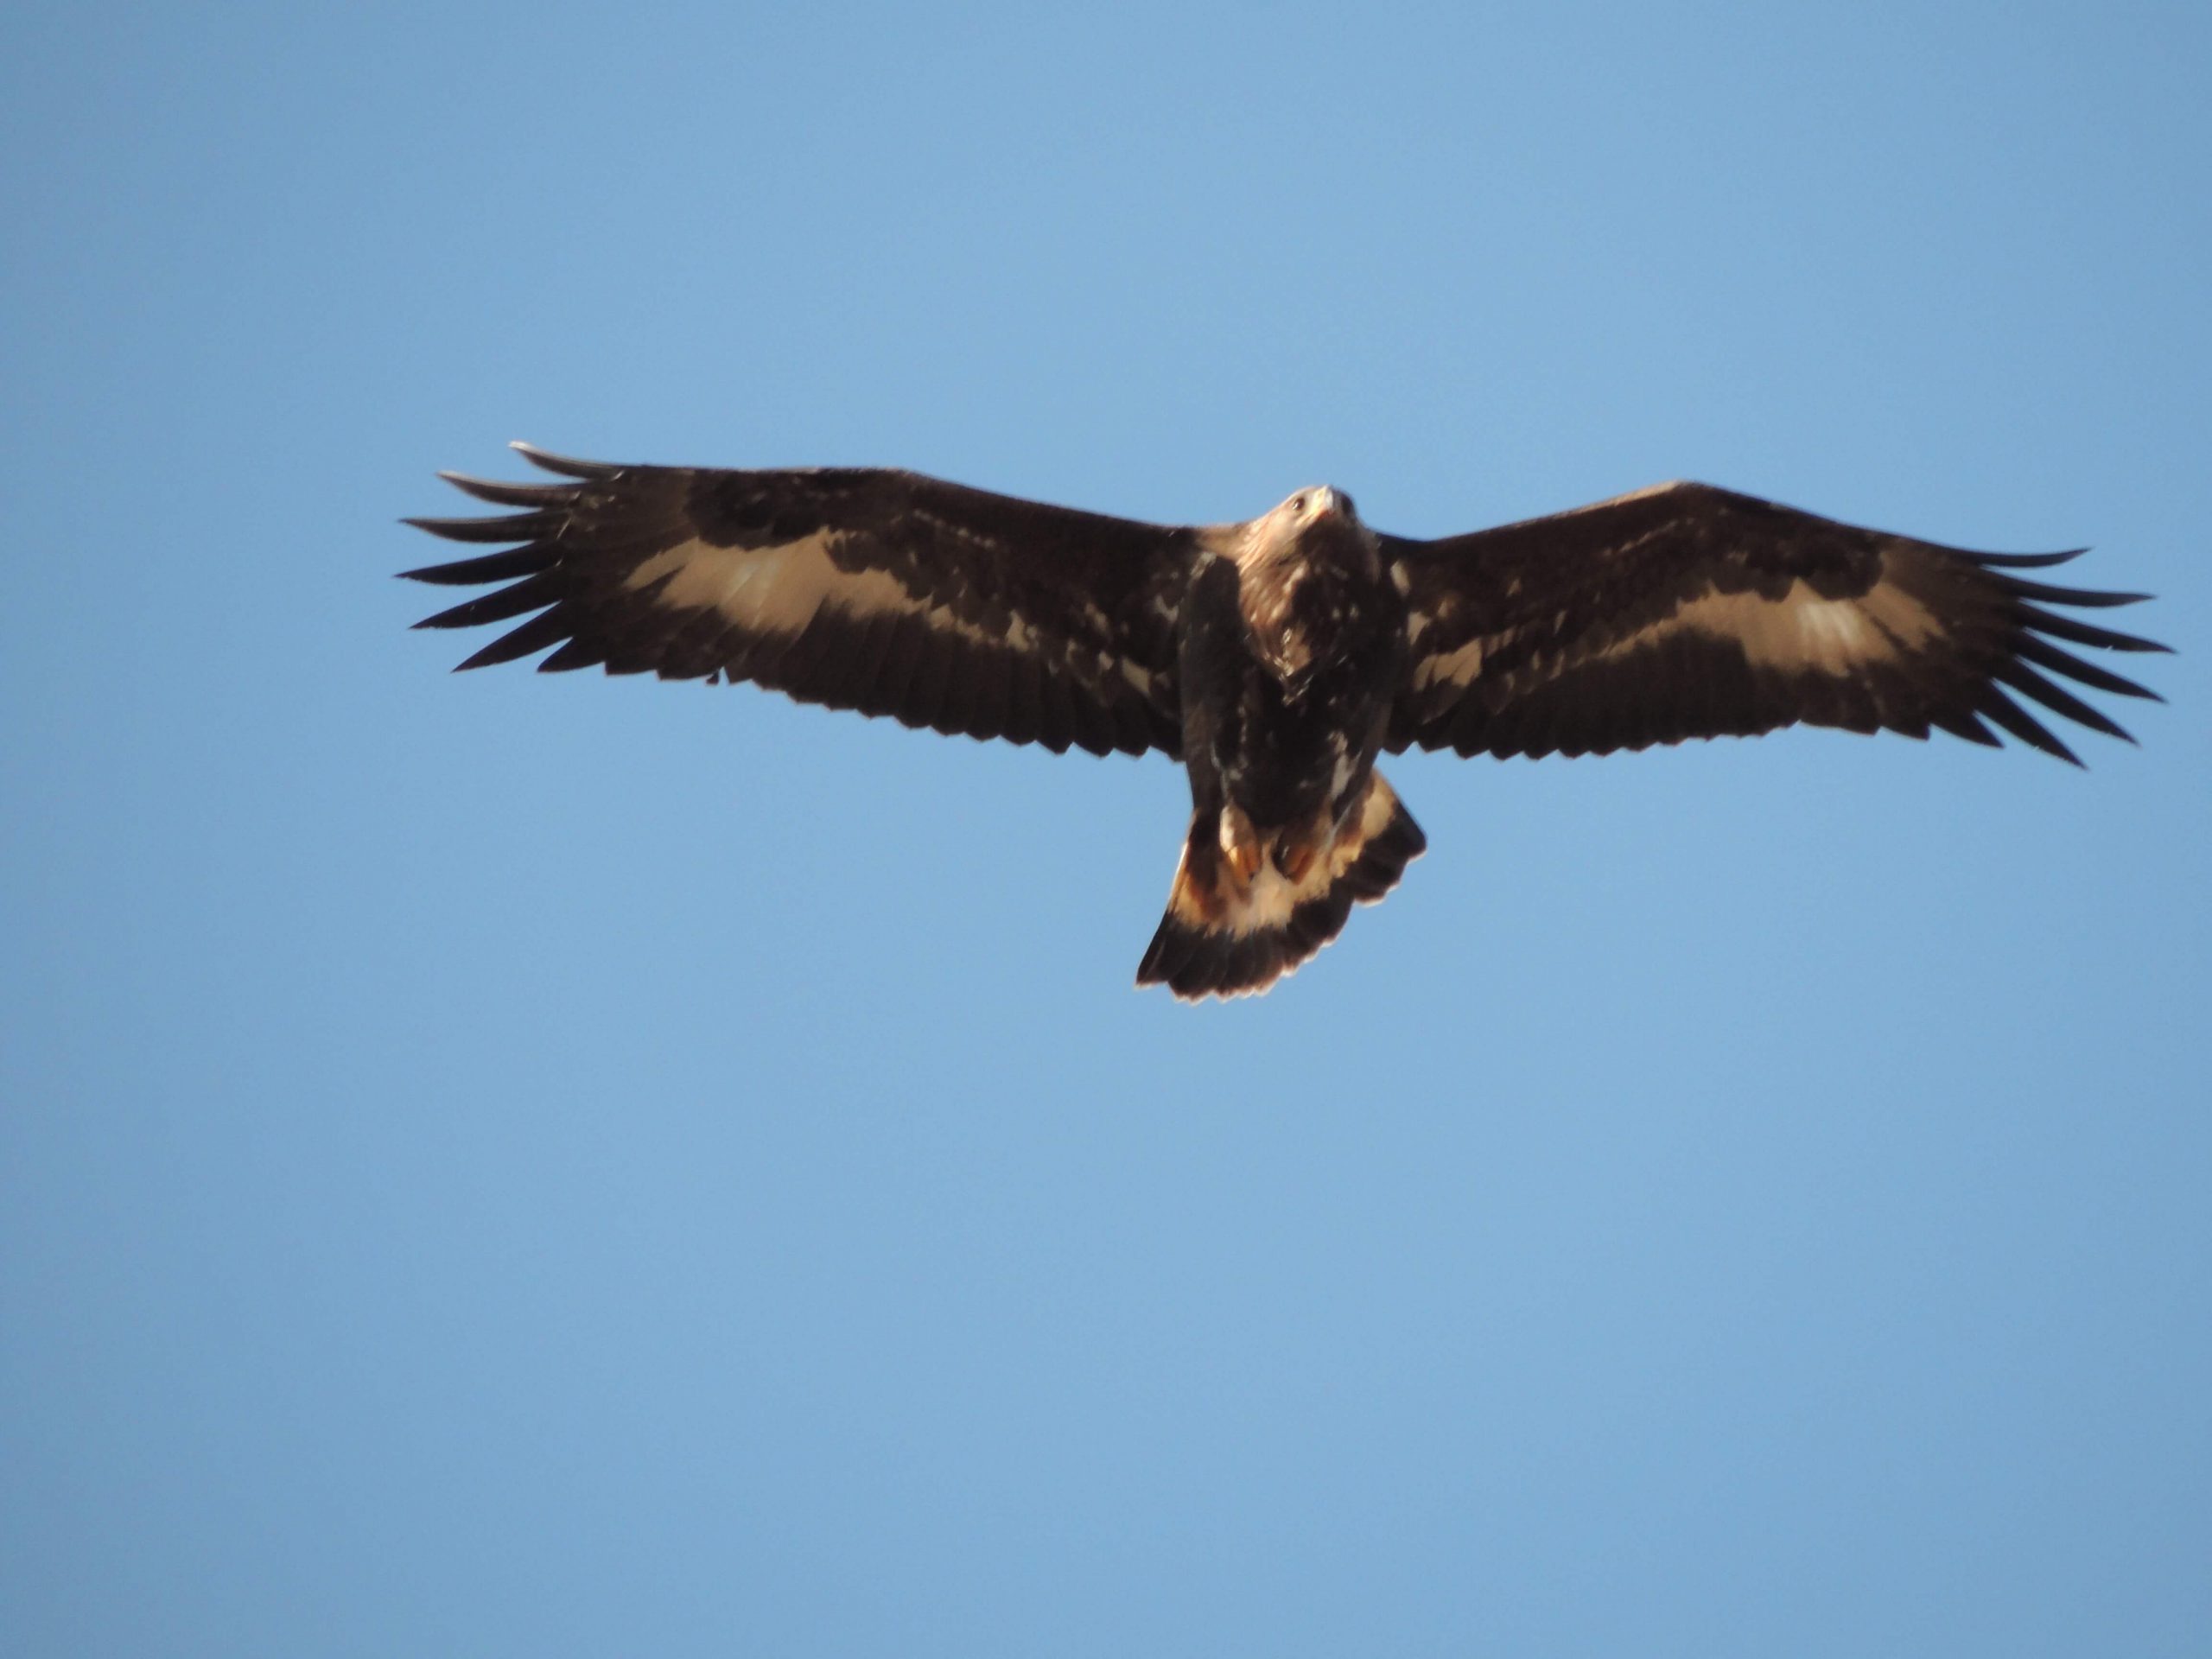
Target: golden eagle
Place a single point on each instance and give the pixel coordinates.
(1274, 657)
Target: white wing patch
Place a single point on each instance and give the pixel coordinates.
(779, 589)
(1800, 632)
(768, 589)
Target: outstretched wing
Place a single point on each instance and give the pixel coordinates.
(860, 588)
(1687, 611)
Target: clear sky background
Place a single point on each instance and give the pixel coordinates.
(506, 1165)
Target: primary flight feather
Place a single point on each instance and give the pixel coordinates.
(1275, 658)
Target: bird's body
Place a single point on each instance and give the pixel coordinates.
(1291, 648)
(1293, 645)
(1277, 657)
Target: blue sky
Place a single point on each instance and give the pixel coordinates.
(506, 1165)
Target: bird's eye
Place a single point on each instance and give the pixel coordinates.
(1298, 504)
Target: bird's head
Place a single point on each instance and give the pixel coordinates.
(1318, 505)
(1319, 524)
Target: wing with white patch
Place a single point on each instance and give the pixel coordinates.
(850, 587)
(859, 588)
(1687, 611)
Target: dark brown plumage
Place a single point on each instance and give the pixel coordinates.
(1276, 657)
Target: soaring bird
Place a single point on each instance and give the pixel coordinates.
(1277, 657)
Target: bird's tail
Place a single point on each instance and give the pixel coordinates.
(1242, 914)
